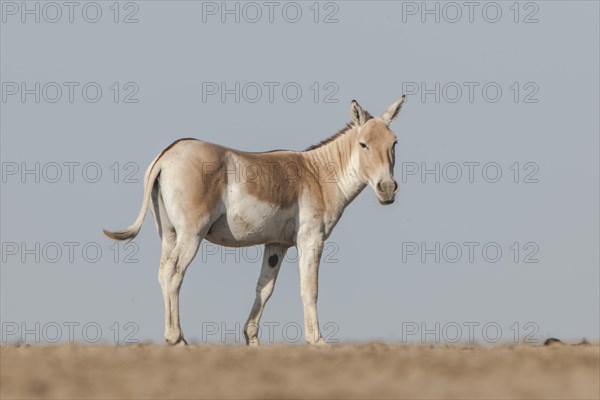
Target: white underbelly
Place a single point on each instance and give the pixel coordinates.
(248, 221)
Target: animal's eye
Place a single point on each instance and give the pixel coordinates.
(363, 145)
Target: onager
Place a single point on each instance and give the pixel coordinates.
(199, 190)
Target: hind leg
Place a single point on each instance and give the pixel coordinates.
(192, 207)
(171, 277)
(166, 230)
(187, 236)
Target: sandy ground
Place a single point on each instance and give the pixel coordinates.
(371, 370)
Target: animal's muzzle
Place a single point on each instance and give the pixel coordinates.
(386, 191)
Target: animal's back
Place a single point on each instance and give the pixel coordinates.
(254, 194)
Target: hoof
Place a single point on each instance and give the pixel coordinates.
(321, 343)
(180, 342)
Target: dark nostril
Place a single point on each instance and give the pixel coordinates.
(379, 186)
(395, 186)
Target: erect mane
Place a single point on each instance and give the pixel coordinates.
(339, 133)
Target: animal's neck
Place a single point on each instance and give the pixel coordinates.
(338, 176)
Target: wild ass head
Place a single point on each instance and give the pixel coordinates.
(374, 150)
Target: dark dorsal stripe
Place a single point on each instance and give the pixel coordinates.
(171, 146)
(330, 139)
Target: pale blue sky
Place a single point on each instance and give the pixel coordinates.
(378, 289)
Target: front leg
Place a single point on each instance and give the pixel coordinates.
(310, 257)
(272, 260)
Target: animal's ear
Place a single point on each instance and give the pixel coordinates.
(392, 111)
(357, 113)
